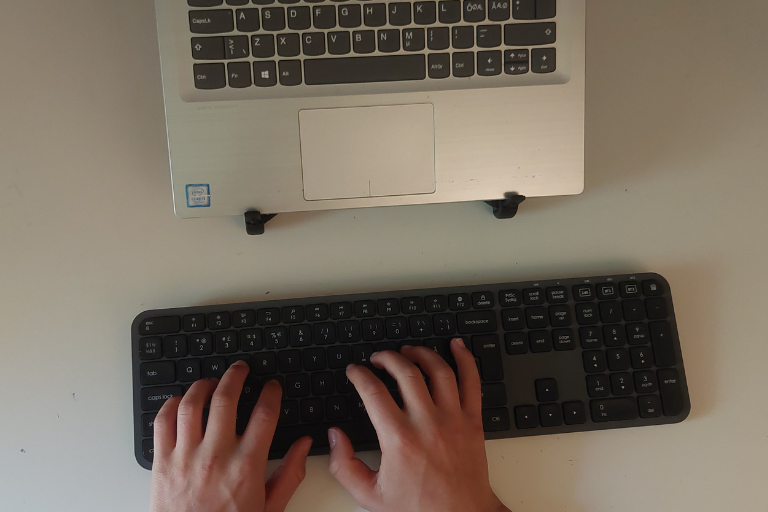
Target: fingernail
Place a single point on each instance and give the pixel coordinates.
(350, 366)
(460, 342)
(308, 445)
(240, 362)
(375, 354)
(332, 437)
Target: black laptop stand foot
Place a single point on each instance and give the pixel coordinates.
(506, 208)
(254, 222)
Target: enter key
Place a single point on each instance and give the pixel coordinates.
(488, 350)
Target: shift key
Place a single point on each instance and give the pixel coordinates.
(475, 322)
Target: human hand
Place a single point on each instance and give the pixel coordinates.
(433, 450)
(216, 470)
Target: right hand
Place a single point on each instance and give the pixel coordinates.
(432, 450)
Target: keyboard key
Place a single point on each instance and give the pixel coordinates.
(637, 334)
(148, 424)
(590, 337)
(459, 301)
(598, 386)
(546, 9)
(289, 412)
(264, 363)
(436, 303)
(650, 406)
(516, 343)
(262, 46)
(361, 353)
(343, 385)
(208, 48)
(314, 359)
(413, 39)
(614, 335)
(420, 326)
(610, 312)
(338, 356)
(204, 3)
(214, 21)
(543, 60)
(512, 319)
(439, 65)
(324, 333)
(621, 384)
(246, 358)
(389, 41)
(645, 382)
(594, 361)
(201, 344)
(324, 16)
(360, 432)
(563, 339)
(524, 9)
(221, 320)
(463, 37)
(493, 395)
(496, 420)
(521, 56)
(441, 347)
(162, 372)
(214, 367)
(247, 20)
(450, 11)
(661, 341)
(534, 296)
(540, 341)
(618, 359)
(474, 11)
(629, 289)
(364, 41)
(245, 318)
(581, 292)
(671, 392)
(536, 318)
(375, 15)
(498, 10)
(289, 72)
(275, 338)
(273, 19)
(299, 18)
(656, 308)
(291, 314)
(236, 47)
(341, 310)
(476, 322)
(444, 324)
(336, 408)
(152, 399)
(373, 329)
(560, 316)
(322, 383)
(482, 300)
(226, 342)
(510, 298)
(368, 69)
(289, 361)
(148, 449)
(350, 16)
(652, 288)
(550, 415)
(396, 328)
(633, 310)
(574, 413)
(586, 314)
(264, 74)
(297, 386)
(339, 44)
(399, 14)
(487, 349)
(641, 357)
(607, 291)
(613, 409)
(162, 324)
(557, 295)
(546, 390)
(150, 348)
(424, 13)
(194, 323)
(349, 332)
(189, 370)
(526, 416)
(530, 34)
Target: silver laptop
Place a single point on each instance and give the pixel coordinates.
(295, 105)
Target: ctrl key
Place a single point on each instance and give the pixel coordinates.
(210, 76)
(152, 399)
(148, 449)
(495, 420)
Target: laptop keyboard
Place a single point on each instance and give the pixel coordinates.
(288, 43)
(554, 356)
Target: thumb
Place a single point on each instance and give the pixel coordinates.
(288, 476)
(352, 473)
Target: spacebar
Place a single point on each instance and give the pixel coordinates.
(356, 70)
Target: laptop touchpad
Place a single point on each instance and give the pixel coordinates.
(367, 151)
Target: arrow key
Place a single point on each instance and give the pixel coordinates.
(543, 60)
(574, 413)
(489, 63)
(208, 48)
(550, 415)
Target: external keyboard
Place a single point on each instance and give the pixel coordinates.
(317, 42)
(554, 356)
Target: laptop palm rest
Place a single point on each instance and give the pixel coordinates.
(367, 151)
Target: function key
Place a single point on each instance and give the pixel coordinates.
(583, 292)
(341, 310)
(268, 316)
(629, 289)
(574, 413)
(482, 300)
(459, 301)
(607, 291)
(533, 296)
(317, 312)
(219, 320)
(388, 307)
(652, 288)
(159, 325)
(509, 298)
(246, 318)
(557, 295)
(193, 323)
(436, 303)
(150, 348)
(365, 308)
(292, 314)
(412, 305)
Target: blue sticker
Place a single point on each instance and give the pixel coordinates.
(198, 196)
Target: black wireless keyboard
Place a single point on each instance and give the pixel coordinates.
(555, 356)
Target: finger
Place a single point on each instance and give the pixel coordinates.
(261, 426)
(442, 381)
(469, 379)
(381, 407)
(409, 379)
(352, 473)
(223, 411)
(190, 417)
(165, 428)
(288, 476)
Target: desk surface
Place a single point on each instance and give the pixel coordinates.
(677, 177)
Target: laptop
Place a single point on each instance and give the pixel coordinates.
(297, 105)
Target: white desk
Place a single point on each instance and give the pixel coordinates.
(677, 178)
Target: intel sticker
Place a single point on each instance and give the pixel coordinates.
(198, 196)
